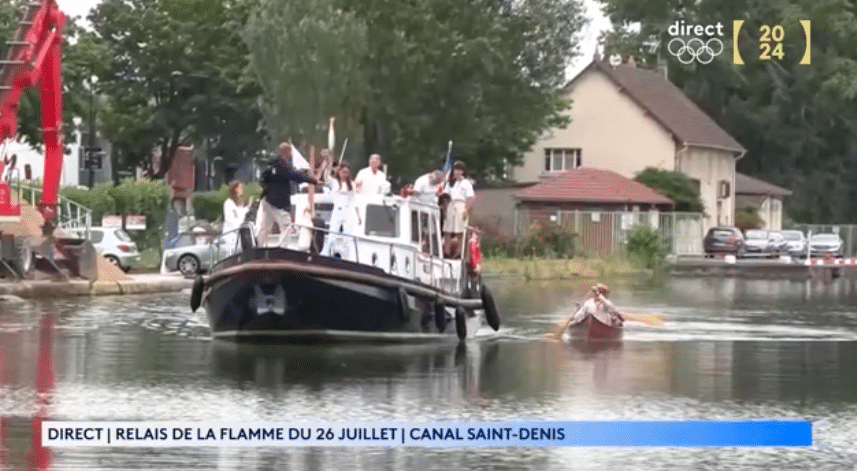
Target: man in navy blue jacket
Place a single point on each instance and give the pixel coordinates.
(276, 205)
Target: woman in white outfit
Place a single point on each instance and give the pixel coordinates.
(234, 212)
(461, 195)
(344, 214)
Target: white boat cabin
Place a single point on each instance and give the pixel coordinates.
(399, 235)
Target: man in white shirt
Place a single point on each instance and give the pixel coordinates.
(426, 187)
(371, 180)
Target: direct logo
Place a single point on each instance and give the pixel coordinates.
(698, 43)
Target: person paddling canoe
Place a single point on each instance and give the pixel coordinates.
(597, 305)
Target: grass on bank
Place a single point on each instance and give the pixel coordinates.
(561, 269)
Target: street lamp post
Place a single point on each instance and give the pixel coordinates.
(213, 170)
(91, 151)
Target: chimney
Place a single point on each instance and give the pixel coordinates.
(631, 61)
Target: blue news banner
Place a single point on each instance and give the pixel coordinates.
(700, 433)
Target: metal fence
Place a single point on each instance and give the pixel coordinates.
(848, 233)
(606, 232)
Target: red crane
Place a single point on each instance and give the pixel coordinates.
(35, 59)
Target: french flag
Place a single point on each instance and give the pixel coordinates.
(447, 162)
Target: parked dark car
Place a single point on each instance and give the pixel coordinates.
(724, 240)
(821, 245)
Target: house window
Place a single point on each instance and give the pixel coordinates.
(724, 190)
(560, 160)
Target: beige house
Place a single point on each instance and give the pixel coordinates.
(625, 119)
(765, 198)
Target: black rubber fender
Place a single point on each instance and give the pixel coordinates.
(440, 316)
(404, 309)
(196, 293)
(461, 322)
(492, 315)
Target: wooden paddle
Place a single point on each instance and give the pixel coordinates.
(653, 320)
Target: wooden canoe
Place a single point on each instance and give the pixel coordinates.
(591, 328)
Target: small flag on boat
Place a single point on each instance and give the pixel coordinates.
(447, 161)
(331, 135)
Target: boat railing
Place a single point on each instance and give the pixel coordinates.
(220, 247)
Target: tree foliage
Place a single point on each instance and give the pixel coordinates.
(674, 185)
(748, 218)
(414, 75)
(306, 56)
(176, 76)
(797, 122)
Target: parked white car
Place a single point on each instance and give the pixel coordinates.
(796, 242)
(115, 245)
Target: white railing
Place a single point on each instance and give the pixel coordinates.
(71, 216)
(443, 280)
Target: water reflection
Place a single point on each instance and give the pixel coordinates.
(113, 360)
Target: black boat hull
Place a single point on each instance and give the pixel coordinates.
(311, 304)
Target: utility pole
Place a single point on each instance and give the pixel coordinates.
(91, 151)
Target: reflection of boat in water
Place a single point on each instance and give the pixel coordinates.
(592, 330)
(384, 281)
(428, 367)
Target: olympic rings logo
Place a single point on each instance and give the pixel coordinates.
(695, 50)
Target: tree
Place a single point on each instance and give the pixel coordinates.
(176, 76)
(797, 122)
(306, 57)
(484, 74)
(748, 218)
(675, 186)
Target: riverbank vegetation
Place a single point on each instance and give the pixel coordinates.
(551, 251)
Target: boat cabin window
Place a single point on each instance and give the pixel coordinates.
(415, 227)
(435, 248)
(324, 211)
(382, 220)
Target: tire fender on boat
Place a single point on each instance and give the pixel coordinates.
(492, 315)
(196, 293)
(461, 322)
(404, 309)
(440, 316)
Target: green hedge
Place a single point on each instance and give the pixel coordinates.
(147, 197)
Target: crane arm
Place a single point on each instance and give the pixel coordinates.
(35, 58)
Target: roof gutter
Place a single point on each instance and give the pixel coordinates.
(741, 152)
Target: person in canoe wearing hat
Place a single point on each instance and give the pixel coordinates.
(600, 306)
(597, 305)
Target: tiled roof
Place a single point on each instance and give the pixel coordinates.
(589, 185)
(746, 185)
(668, 105)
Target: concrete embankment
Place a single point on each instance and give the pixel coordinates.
(136, 284)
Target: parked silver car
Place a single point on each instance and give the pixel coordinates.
(796, 243)
(113, 244)
(762, 243)
(190, 252)
(821, 245)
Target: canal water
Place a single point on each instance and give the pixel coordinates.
(730, 349)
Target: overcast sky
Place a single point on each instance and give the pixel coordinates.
(598, 23)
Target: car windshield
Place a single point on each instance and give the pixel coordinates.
(722, 233)
(792, 235)
(757, 235)
(825, 238)
(123, 236)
